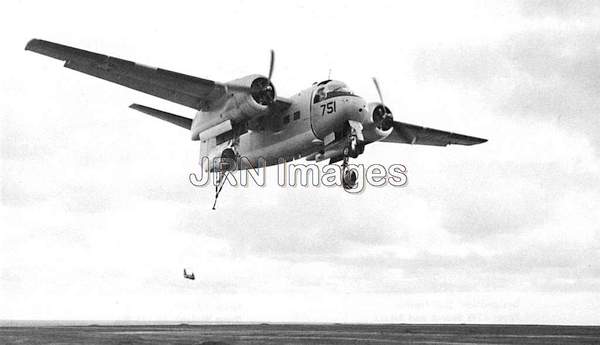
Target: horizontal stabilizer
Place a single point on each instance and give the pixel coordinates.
(163, 115)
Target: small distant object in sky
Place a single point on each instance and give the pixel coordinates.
(188, 275)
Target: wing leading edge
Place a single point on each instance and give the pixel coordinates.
(190, 91)
(418, 135)
(193, 92)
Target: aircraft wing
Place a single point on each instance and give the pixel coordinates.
(183, 89)
(413, 134)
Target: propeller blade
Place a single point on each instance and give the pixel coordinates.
(272, 65)
(248, 89)
(378, 90)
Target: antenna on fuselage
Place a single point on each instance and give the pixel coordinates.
(329, 75)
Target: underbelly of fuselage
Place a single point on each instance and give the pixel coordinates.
(265, 148)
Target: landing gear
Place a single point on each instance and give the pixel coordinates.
(352, 149)
(219, 185)
(227, 163)
(349, 177)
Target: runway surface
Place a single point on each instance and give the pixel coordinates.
(300, 334)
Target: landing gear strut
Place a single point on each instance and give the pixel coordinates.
(226, 165)
(219, 185)
(353, 149)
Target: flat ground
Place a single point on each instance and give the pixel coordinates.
(301, 334)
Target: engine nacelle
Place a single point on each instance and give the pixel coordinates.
(380, 124)
(259, 90)
(238, 105)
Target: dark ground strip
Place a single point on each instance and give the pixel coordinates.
(301, 334)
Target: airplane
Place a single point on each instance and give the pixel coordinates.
(246, 118)
(190, 276)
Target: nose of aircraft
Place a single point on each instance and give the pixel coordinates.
(331, 115)
(354, 108)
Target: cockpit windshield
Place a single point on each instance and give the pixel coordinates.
(331, 89)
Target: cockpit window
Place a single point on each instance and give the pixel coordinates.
(340, 90)
(333, 89)
(320, 95)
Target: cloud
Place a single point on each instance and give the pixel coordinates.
(549, 74)
(525, 267)
(474, 65)
(559, 8)
(560, 74)
(303, 230)
(525, 197)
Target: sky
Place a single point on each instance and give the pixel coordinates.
(98, 217)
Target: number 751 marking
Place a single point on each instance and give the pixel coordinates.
(329, 108)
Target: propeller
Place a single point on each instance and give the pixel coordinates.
(271, 65)
(381, 114)
(378, 89)
(261, 89)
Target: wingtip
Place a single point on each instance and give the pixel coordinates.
(139, 107)
(470, 141)
(31, 44)
(479, 141)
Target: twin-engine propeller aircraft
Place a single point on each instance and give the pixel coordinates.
(246, 118)
(189, 276)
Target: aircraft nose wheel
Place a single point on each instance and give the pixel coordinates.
(350, 176)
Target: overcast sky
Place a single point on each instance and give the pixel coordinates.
(98, 217)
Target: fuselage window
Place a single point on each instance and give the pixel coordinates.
(286, 119)
(296, 115)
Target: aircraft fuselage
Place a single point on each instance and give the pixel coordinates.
(299, 131)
